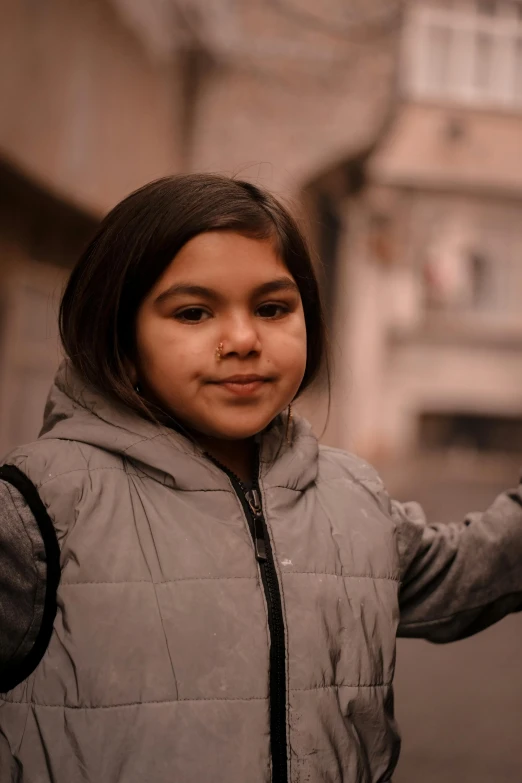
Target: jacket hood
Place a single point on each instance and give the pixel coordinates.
(76, 411)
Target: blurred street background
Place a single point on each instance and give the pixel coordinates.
(394, 128)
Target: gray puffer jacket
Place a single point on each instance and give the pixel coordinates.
(206, 634)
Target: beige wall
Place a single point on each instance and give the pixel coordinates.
(436, 146)
(85, 110)
(29, 347)
(92, 113)
(452, 375)
(282, 129)
(281, 95)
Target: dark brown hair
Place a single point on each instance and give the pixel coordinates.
(134, 245)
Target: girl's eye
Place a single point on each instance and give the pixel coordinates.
(273, 310)
(192, 315)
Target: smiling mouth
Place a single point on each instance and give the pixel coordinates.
(243, 385)
(243, 379)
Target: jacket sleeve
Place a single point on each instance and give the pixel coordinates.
(22, 578)
(462, 577)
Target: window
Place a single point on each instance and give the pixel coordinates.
(467, 281)
(466, 52)
(468, 255)
(470, 431)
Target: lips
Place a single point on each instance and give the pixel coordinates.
(243, 385)
(243, 379)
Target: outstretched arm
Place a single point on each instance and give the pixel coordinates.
(462, 577)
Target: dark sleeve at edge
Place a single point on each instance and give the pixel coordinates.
(29, 575)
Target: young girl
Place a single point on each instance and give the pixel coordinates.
(192, 589)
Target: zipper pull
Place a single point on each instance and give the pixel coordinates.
(254, 503)
(260, 541)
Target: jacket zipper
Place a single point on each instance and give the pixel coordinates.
(251, 502)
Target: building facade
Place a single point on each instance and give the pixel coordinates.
(428, 317)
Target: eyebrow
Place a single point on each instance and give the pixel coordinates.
(189, 289)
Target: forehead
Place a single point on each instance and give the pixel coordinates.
(224, 258)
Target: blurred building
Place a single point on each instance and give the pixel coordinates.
(428, 268)
(85, 116)
(399, 142)
(98, 97)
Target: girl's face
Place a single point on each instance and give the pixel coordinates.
(222, 288)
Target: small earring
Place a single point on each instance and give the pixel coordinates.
(219, 352)
(137, 389)
(288, 425)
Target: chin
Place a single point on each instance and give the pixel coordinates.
(236, 431)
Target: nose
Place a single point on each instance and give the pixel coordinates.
(241, 337)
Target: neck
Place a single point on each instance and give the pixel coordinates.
(236, 455)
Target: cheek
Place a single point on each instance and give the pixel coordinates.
(290, 346)
(173, 357)
(298, 334)
(157, 345)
